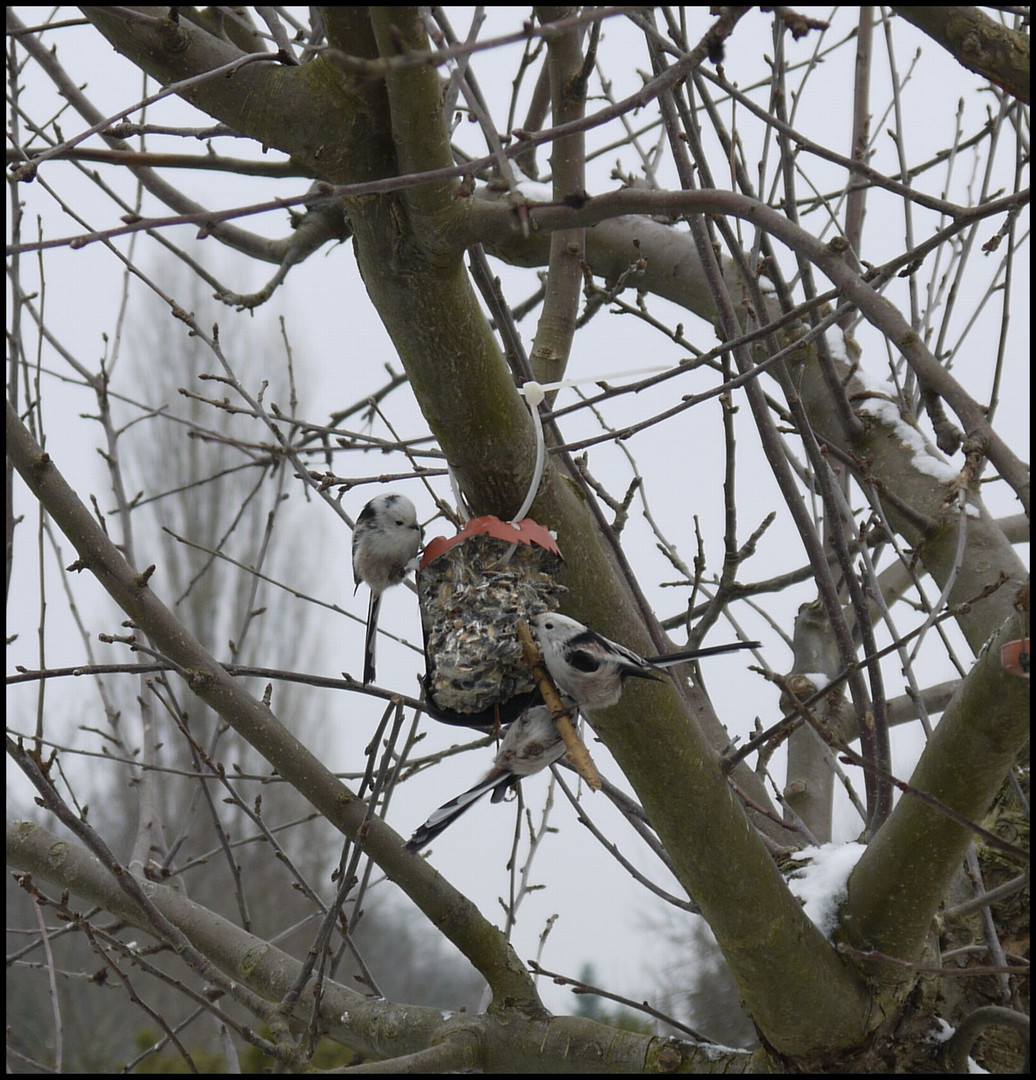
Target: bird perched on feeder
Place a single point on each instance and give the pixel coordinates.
(591, 669)
(386, 539)
(530, 744)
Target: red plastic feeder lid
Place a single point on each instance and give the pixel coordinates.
(1015, 657)
(525, 531)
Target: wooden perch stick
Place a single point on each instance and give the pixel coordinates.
(577, 752)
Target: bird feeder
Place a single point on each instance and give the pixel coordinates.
(473, 589)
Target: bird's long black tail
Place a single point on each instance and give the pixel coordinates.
(693, 654)
(448, 813)
(371, 639)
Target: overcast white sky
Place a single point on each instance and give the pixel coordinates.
(335, 331)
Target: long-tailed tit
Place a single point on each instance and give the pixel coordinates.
(386, 539)
(530, 744)
(591, 669)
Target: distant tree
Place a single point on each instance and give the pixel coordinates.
(198, 496)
